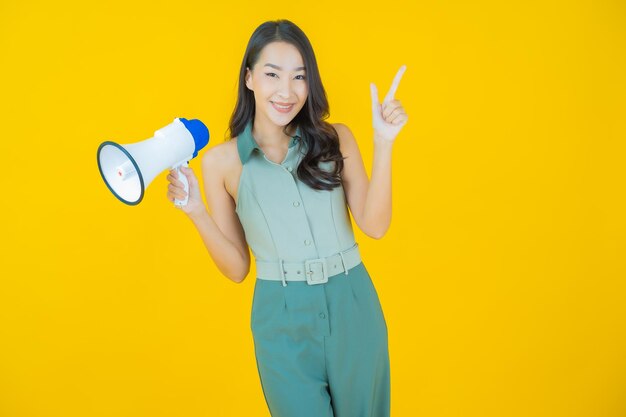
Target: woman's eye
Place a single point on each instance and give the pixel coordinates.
(271, 74)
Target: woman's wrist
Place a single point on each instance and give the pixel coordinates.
(383, 143)
(197, 215)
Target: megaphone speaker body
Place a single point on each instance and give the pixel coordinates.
(128, 169)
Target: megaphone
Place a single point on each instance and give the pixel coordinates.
(128, 169)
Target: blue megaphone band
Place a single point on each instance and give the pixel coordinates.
(199, 132)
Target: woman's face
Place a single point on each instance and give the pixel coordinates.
(278, 80)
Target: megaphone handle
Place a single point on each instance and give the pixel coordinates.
(182, 178)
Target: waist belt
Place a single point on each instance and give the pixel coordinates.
(313, 271)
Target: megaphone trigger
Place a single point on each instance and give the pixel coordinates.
(182, 178)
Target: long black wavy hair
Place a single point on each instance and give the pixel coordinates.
(320, 138)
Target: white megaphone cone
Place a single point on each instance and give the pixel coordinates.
(128, 169)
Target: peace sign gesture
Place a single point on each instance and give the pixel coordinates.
(388, 118)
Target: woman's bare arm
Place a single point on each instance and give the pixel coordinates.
(219, 227)
(369, 200)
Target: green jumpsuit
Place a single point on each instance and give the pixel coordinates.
(321, 350)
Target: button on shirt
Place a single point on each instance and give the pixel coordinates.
(282, 217)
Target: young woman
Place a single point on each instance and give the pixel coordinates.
(280, 186)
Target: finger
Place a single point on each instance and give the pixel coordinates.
(179, 183)
(179, 195)
(394, 113)
(173, 189)
(394, 85)
(399, 119)
(374, 94)
(392, 119)
(390, 107)
(188, 173)
(177, 191)
(176, 195)
(174, 181)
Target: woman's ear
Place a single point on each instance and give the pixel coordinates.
(249, 79)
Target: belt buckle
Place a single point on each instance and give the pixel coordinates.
(313, 274)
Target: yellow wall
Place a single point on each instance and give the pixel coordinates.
(501, 278)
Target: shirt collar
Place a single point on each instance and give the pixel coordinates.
(246, 143)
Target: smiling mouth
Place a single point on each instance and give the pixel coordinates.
(282, 107)
(282, 104)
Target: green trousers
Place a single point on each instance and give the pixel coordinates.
(321, 350)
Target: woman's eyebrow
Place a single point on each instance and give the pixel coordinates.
(280, 69)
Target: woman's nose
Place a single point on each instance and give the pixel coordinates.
(284, 89)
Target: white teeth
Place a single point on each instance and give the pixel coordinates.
(282, 107)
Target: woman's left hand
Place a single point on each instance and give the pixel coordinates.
(390, 117)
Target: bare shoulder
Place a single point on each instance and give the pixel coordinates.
(347, 142)
(221, 157)
(221, 164)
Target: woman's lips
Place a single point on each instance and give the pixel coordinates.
(282, 107)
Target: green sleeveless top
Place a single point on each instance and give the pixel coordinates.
(282, 217)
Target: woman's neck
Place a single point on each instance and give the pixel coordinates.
(269, 134)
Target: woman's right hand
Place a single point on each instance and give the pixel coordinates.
(176, 190)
